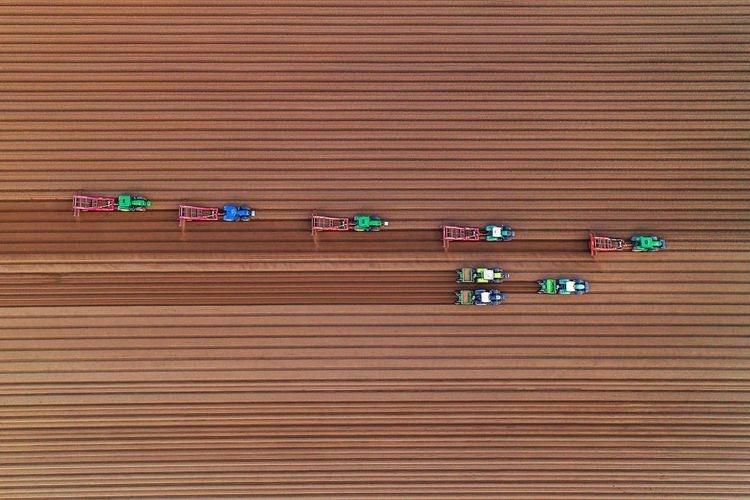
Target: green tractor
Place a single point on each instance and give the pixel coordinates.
(132, 203)
(480, 275)
(368, 223)
(647, 244)
(563, 286)
(499, 233)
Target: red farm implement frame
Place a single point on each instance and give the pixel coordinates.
(460, 233)
(323, 223)
(191, 212)
(606, 244)
(84, 203)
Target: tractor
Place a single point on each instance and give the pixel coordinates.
(647, 244)
(563, 286)
(237, 213)
(479, 297)
(480, 275)
(368, 223)
(132, 203)
(499, 233)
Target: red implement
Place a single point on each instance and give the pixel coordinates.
(605, 244)
(190, 212)
(460, 233)
(322, 223)
(83, 203)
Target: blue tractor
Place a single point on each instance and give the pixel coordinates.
(237, 213)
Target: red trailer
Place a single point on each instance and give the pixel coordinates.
(606, 244)
(460, 233)
(323, 223)
(191, 212)
(84, 203)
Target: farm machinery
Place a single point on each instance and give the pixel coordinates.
(228, 213)
(647, 244)
(123, 203)
(491, 232)
(563, 286)
(360, 223)
(639, 243)
(479, 297)
(132, 203)
(480, 275)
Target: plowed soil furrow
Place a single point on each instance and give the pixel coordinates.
(255, 361)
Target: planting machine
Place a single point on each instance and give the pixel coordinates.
(360, 223)
(123, 203)
(228, 213)
(491, 232)
(563, 286)
(638, 243)
(479, 297)
(480, 275)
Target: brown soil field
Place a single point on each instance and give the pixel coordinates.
(250, 361)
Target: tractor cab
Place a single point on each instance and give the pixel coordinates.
(490, 275)
(486, 274)
(488, 297)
